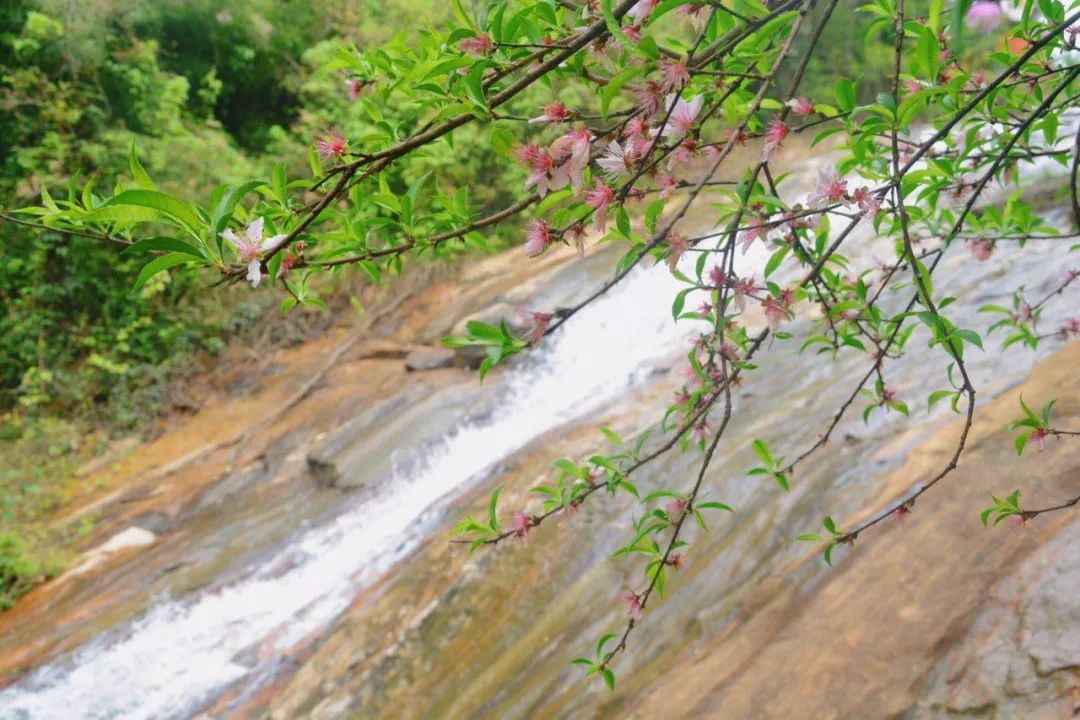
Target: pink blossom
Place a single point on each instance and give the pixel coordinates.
(536, 159)
(633, 603)
(701, 430)
(667, 185)
(637, 127)
(800, 106)
(533, 157)
(736, 137)
(676, 74)
(642, 9)
(869, 203)
(775, 313)
(900, 514)
(522, 523)
(675, 508)
(1070, 327)
(831, 188)
(540, 322)
(355, 87)
(981, 249)
(684, 154)
(633, 33)
(754, 230)
(576, 233)
(704, 309)
(697, 14)
(571, 155)
(556, 112)
(603, 50)
(730, 352)
(649, 97)
(913, 86)
(683, 115)
(1026, 311)
(743, 289)
(249, 245)
(478, 46)
(679, 244)
(983, 16)
(1039, 438)
(617, 161)
(717, 276)
(676, 561)
(287, 261)
(331, 144)
(599, 199)
(540, 235)
(774, 136)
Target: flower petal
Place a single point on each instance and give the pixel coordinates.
(271, 242)
(231, 237)
(254, 231)
(254, 273)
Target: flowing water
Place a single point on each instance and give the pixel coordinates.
(184, 652)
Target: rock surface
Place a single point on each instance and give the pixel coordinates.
(429, 358)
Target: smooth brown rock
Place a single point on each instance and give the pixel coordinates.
(431, 358)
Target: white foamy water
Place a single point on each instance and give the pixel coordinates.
(184, 652)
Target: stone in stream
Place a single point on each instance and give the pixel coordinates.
(132, 537)
(429, 358)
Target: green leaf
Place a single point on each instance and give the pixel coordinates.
(845, 95)
(934, 18)
(1046, 411)
(167, 244)
(612, 437)
(225, 207)
(493, 520)
(161, 264)
(828, 553)
(163, 203)
(612, 24)
(971, 337)
(936, 396)
(761, 448)
(612, 88)
(775, 260)
(138, 173)
(475, 83)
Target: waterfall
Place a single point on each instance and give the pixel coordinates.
(182, 652)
